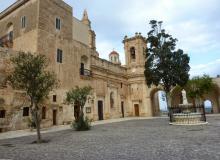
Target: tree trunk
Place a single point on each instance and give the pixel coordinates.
(38, 130)
(168, 97)
(37, 120)
(81, 112)
(194, 102)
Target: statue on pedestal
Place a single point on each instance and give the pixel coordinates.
(185, 101)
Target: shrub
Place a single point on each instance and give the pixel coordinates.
(82, 124)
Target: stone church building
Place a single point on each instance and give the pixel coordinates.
(48, 27)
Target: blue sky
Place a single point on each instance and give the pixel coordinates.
(195, 23)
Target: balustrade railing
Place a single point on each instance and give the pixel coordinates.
(85, 72)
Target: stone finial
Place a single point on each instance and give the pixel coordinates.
(85, 18)
(85, 15)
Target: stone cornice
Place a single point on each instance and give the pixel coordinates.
(12, 7)
(137, 36)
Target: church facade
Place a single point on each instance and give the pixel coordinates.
(48, 27)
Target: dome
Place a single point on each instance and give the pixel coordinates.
(114, 57)
(114, 53)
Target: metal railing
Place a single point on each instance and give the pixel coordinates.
(187, 111)
(85, 72)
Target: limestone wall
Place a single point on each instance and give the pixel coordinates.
(80, 31)
(107, 66)
(23, 38)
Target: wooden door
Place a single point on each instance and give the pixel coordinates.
(82, 68)
(54, 117)
(100, 110)
(136, 110)
(122, 109)
(76, 112)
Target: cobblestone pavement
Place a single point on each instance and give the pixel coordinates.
(130, 140)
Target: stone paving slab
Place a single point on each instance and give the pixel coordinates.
(145, 139)
(27, 132)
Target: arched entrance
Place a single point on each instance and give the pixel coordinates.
(208, 106)
(158, 102)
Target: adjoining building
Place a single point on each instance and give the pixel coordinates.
(48, 27)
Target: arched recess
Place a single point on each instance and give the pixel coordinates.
(176, 96)
(10, 31)
(213, 97)
(132, 54)
(112, 99)
(9, 27)
(84, 61)
(158, 102)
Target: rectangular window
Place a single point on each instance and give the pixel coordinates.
(58, 23)
(25, 111)
(2, 113)
(54, 98)
(59, 56)
(88, 109)
(23, 22)
(43, 112)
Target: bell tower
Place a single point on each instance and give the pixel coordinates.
(138, 92)
(135, 53)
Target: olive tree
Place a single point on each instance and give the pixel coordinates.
(78, 96)
(30, 75)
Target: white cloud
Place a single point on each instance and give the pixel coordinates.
(212, 69)
(104, 48)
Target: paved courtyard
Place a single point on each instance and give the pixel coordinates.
(134, 140)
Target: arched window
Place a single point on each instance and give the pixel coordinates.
(9, 29)
(132, 53)
(112, 99)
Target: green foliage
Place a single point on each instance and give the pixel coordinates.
(164, 64)
(199, 86)
(82, 124)
(31, 76)
(78, 95)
